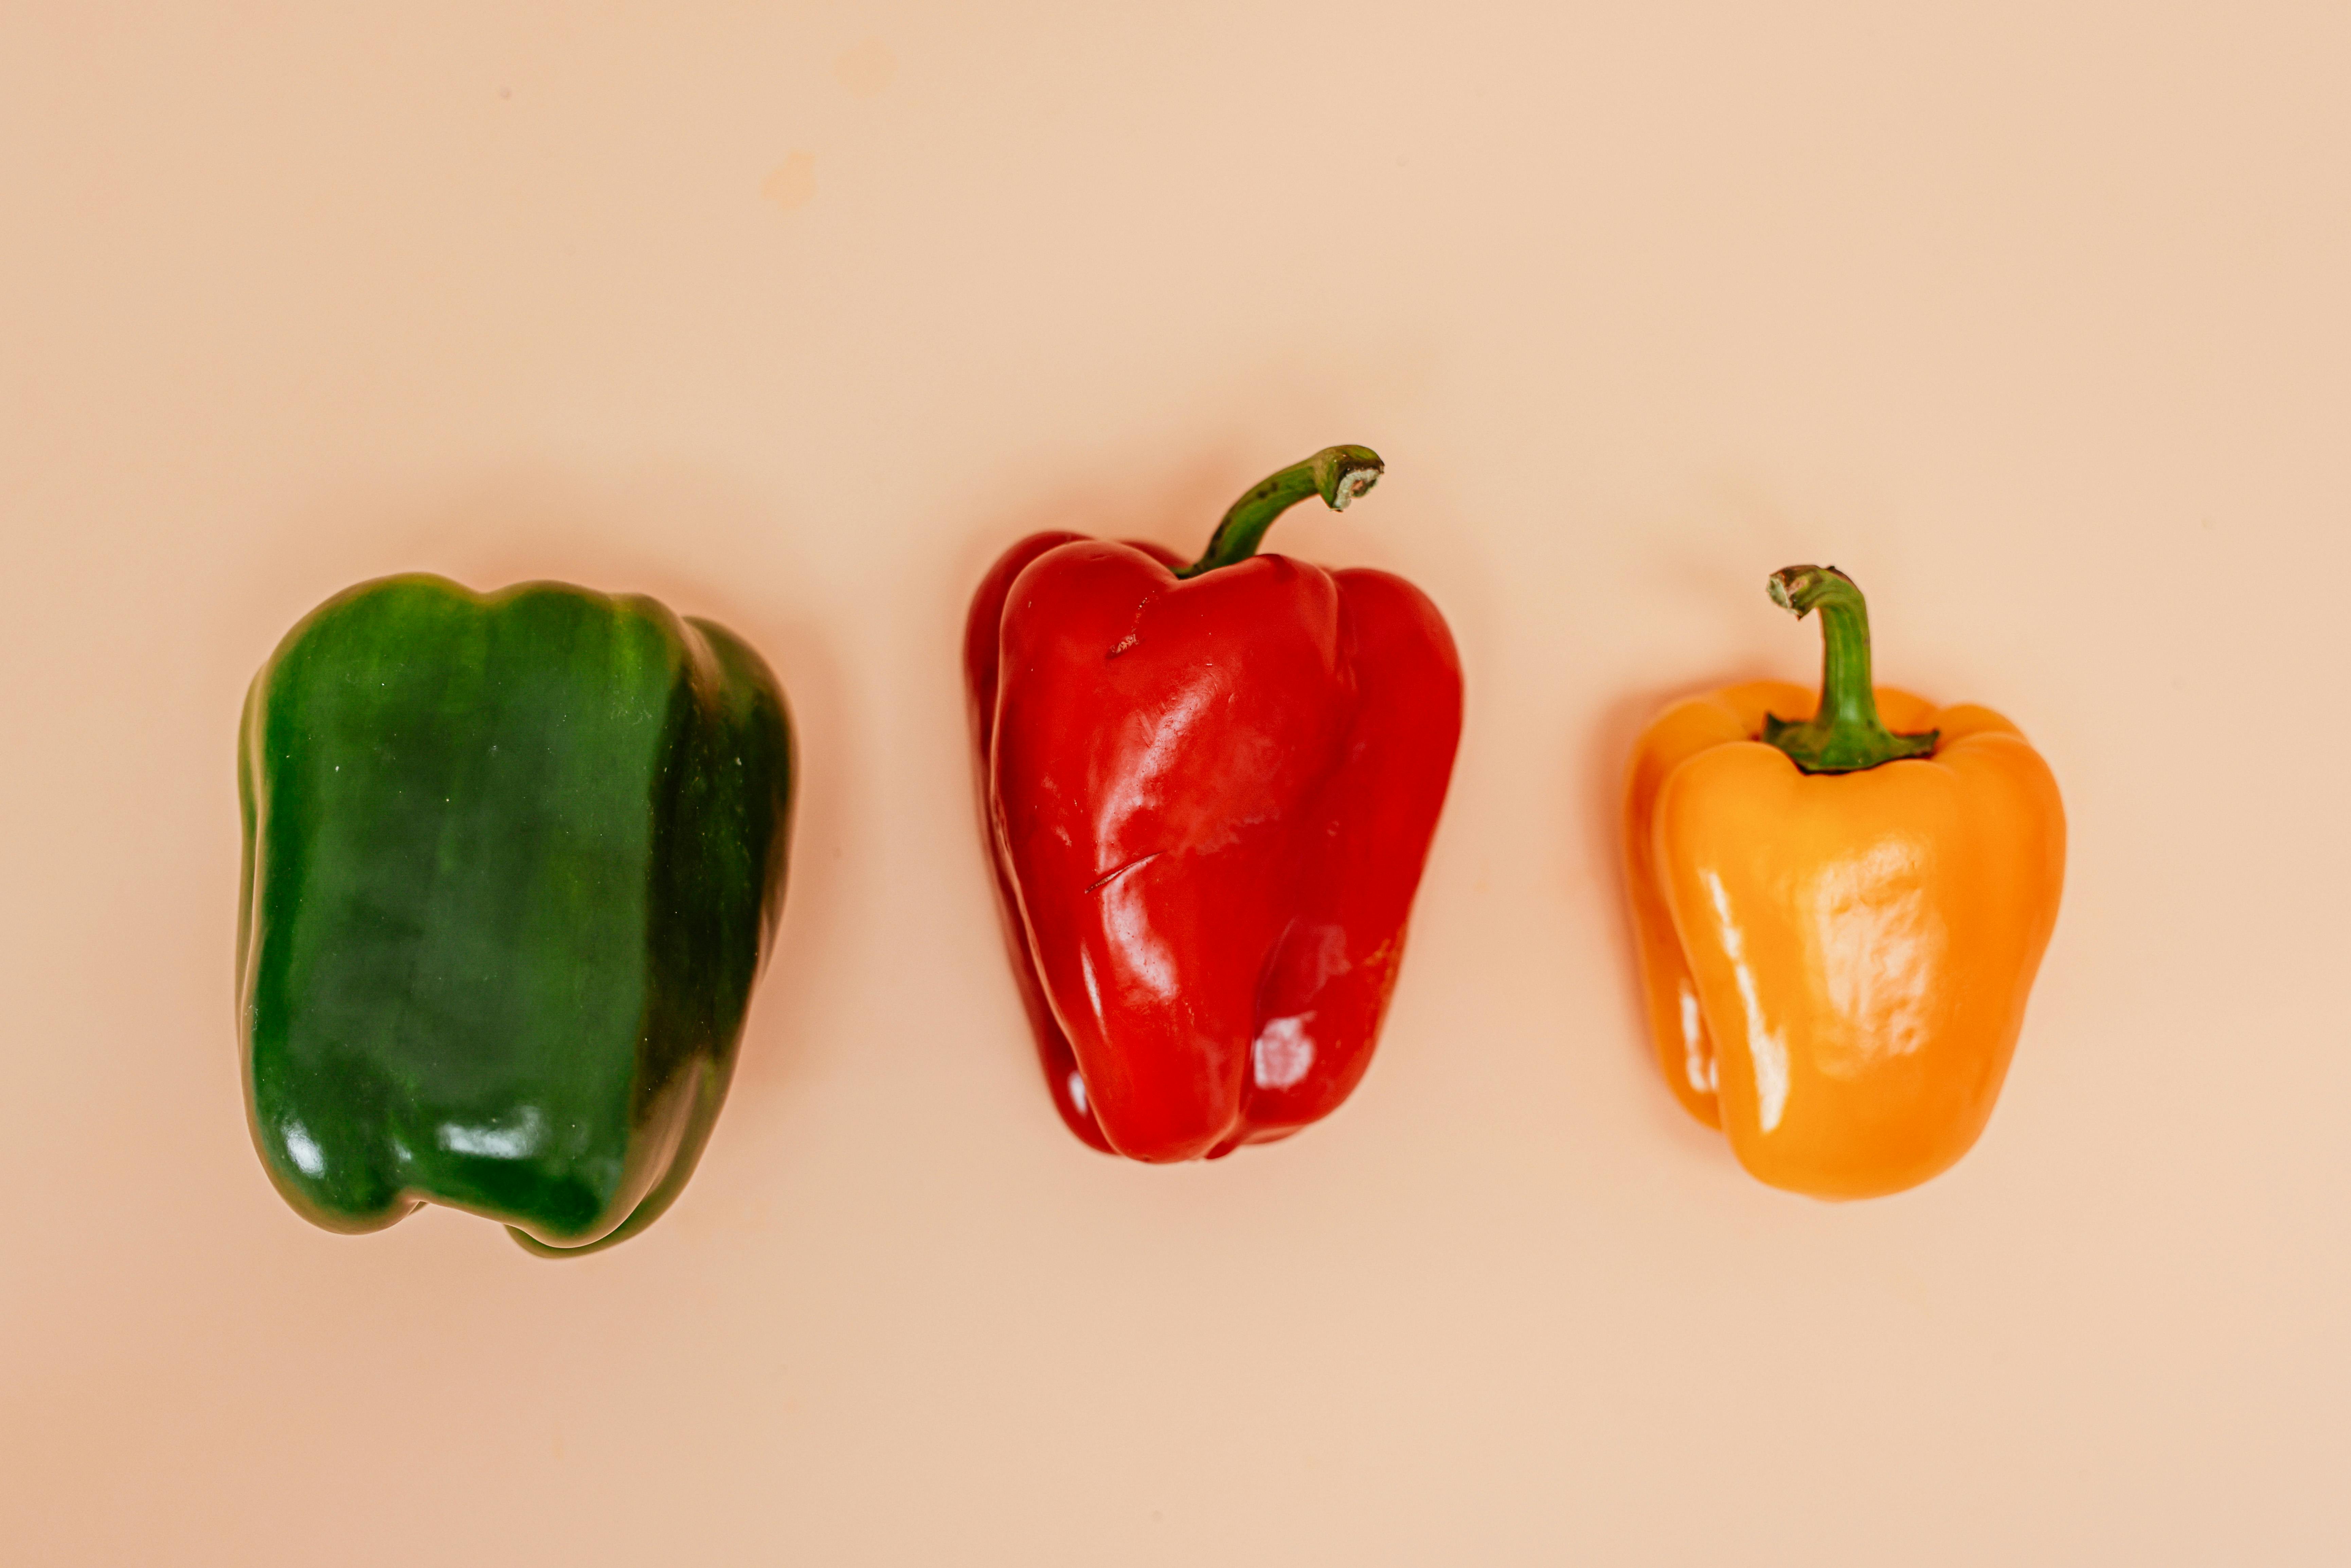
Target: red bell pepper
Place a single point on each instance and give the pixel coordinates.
(1208, 792)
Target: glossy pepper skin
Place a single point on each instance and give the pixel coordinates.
(512, 864)
(1838, 924)
(1209, 794)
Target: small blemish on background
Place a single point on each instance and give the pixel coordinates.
(866, 69)
(792, 181)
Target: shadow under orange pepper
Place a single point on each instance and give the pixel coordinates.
(1838, 922)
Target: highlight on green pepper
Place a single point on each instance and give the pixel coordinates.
(512, 864)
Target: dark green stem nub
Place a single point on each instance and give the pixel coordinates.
(1337, 474)
(1845, 735)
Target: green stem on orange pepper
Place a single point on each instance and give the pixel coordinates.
(1845, 735)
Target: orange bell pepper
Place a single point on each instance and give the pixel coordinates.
(1838, 924)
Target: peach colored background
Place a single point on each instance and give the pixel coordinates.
(2032, 317)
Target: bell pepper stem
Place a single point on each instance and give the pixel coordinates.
(1845, 735)
(1337, 474)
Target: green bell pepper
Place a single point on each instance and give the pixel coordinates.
(512, 862)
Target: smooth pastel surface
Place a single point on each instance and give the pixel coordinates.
(2032, 317)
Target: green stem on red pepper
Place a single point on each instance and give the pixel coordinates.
(1845, 735)
(1337, 474)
